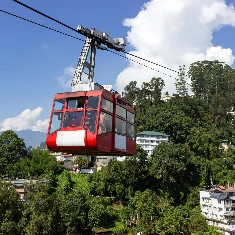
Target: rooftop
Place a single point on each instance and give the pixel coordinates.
(151, 133)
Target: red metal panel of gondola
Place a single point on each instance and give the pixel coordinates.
(91, 123)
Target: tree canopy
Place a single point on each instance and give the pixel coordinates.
(12, 149)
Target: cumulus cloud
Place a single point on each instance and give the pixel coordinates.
(173, 33)
(28, 119)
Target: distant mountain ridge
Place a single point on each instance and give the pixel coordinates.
(31, 138)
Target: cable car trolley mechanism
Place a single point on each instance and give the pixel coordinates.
(92, 119)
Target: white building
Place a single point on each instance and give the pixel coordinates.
(218, 206)
(148, 140)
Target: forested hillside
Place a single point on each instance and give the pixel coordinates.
(155, 195)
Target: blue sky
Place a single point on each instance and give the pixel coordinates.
(36, 63)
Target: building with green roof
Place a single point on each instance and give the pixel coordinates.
(148, 140)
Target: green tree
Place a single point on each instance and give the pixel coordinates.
(147, 207)
(151, 92)
(197, 222)
(192, 107)
(181, 82)
(65, 183)
(39, 162)
(213, 81)
(11, 208)
(80, 161)
(73, 209)
(131, 92)
(101, 213)
(222, 168)
(173, 222)
(171, 164)
(173, 122)
(12, 148)
(182, 220)
(82, 183)
(205, 141)
(144, 98)
(49, 212)
(136, 173)
(122, 179)
(41, 215)
(115, 179)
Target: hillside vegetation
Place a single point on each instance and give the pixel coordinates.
(155, 195)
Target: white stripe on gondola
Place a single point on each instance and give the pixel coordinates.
(70, 138)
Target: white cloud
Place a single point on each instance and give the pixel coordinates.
(28, 119)
(173, 33)
(66, 79)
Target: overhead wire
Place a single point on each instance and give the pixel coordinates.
(71, 28)
(41, 13)
(150, 61)
(33, 22)
(138, 62)
(67, 26)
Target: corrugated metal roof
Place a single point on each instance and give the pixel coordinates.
(215, 195)
(151, 133)
(222, 197)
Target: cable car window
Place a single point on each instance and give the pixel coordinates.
(130, 117)
(76, 103)
(73, 119)
(90, 121)
(120, 126)
(56, 121)
(120, 111)
(130, 131)
(105, 123)
(107, 105)
(59, 104)
(93, 102)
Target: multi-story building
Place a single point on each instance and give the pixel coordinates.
(218, 206)
(148, 140)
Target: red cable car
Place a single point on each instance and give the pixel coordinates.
(95, 122)
(91, 120)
